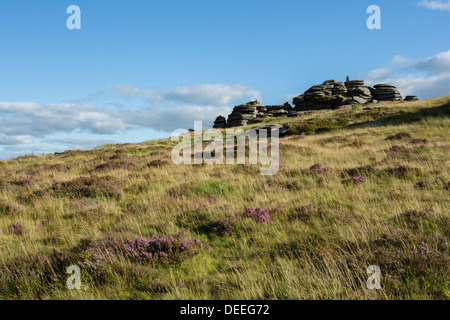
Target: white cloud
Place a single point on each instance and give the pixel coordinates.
(25, 119)
(204, 94)
(378, 73)
(167, 110)
(427, 78)
(439, 63)
(11, 140)
(162, 110)
(436, 5)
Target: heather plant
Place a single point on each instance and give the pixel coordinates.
(212, 197)
(306, 213)
(113, 165)
(259, 215)
(399, 136)
(396, 151)
(402, 171)
(223, 226)
(418, 141)
(359, 179)
(366, 171)
(16, 229)
(89, 187)
(318, 167)
(416, 265)
(8, 208)
(163, 249)
(157, 163)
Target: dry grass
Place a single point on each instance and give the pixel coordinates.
(80, 207)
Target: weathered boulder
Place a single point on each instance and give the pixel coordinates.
(412, 98)
(243, 114)
(220, 123)
(386, 92)
(333, 94)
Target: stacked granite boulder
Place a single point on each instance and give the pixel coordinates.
(275, 111)
(220, 123)
(386, 92)
(243, 114)
(252, 112)
(333, 94)
(358, 92)
(330, 94)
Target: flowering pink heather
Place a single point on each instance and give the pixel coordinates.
(16, 229)
(8, 208)
(212, 197)
(320, 169)
(174, 248)
(258, 214)
(359, 179)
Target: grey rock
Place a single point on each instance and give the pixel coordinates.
(412, 98)
(359, 99)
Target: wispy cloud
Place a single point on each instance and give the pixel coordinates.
(427, 78)
(436, 5)
(150, 108)
(204, 94)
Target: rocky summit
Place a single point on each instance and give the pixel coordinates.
(331, 94)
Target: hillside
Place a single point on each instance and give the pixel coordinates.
(357, 186)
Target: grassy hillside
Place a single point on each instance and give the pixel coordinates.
(347, 196)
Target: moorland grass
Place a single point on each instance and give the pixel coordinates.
(358, 186)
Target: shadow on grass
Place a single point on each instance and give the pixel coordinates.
(409, 117)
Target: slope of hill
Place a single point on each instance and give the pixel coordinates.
(357, 186)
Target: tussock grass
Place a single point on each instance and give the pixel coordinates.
(325, 228)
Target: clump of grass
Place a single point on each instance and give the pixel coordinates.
(215, 187)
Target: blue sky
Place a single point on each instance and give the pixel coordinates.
(137, 70)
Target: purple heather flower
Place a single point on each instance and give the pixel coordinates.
(212, 197)
(16, 229)
(258, 214)
(319, 169)
(163, 248)
(359, 179)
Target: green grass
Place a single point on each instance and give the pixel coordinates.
(324, 232)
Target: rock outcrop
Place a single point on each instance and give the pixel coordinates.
(411, 98)
(333, 94)
(252, 112)
(243, 114)
(220, 123)
(386, 92)
(329, 95)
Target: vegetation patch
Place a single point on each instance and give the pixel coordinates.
(88, 187)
